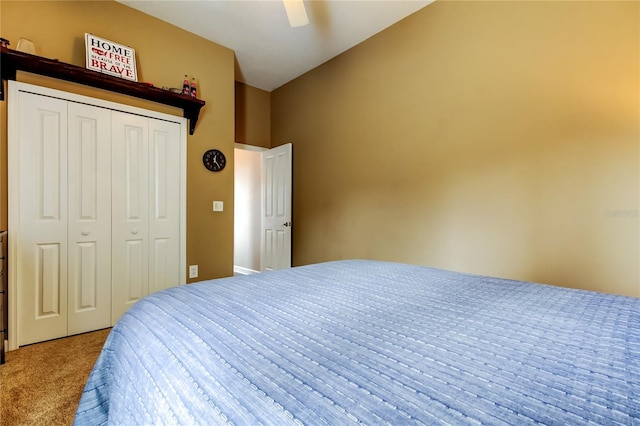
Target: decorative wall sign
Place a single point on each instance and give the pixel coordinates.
(111, 58)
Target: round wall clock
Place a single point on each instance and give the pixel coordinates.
(214, 160)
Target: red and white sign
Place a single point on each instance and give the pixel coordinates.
(110, 58)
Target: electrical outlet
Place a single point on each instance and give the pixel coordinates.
(193, 271)
(218, 206)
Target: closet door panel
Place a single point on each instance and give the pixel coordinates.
(130, 211)
(42, 236)
(89, 154)
(135, 270)
(164, 217)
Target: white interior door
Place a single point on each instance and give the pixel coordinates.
(89, 215)
(130, 211)
(41, 217)
(276, 208)
(164, 217)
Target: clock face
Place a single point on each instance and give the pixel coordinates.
(214, 160)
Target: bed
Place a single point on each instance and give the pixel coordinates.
(367, 342)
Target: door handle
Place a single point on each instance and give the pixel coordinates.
(286, 224)
(134, 231)
(85, 232)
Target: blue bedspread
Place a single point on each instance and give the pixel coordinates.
(369, 342)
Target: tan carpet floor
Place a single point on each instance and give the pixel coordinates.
(41, 384)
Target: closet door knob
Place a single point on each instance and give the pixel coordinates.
(134, 231)
(85, 232)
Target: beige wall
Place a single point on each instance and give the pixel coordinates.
(253, 116)
(498, 138)
(164, 54)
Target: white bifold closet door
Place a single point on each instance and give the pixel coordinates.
(65, 218)
(42, 249)
(98, 224)
(130, 211)
(164, 205)
(146, 208)
(89, 218)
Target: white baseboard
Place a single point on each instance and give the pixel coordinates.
(239, 270)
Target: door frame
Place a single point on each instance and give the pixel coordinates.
(263, 151)
(13, 176)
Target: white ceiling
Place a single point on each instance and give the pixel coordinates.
(269, 52)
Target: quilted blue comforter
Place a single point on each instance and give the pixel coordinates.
(366, 342)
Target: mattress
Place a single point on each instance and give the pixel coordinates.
(366, 342)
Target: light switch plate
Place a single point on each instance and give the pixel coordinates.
(218, 206)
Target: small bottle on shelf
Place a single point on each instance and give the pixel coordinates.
(194, 93)
(186, 90)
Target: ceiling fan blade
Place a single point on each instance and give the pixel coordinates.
(296, 12)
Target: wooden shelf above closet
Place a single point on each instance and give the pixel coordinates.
(13, 61)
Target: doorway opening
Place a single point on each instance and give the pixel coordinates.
(247, 210)
(262, 214)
